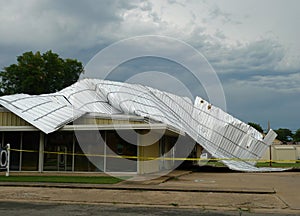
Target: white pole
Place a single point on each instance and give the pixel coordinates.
(73, 156)
(8, 157)
(104, 161)
(41, 152)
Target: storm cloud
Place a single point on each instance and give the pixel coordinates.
(253, 47)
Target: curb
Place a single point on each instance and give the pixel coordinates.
(139, 188)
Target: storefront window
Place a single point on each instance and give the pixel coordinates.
(14, 139)
(1, 141)
(58, 151)
(116, 146)
(89, 151)
(30, 157)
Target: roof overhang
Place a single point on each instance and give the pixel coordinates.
(169, 129)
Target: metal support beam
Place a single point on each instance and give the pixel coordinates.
(41, 151)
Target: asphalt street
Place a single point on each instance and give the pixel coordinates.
(51, 209)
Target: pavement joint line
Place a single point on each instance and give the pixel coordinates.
(285, 203)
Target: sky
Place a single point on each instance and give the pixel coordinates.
(252, 45)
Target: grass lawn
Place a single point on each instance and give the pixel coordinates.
(259, 164)
(215, 164)
(63, 179)
(283, 165)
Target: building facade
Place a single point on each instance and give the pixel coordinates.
(93, 144)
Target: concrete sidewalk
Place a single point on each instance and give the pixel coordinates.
(286, 185)
(255, 192)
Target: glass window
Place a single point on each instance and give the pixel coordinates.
(166, 144)
(89, 151)
(30, 158)
(116, 146)
(1, 141)
(14, 139)
(58, 151)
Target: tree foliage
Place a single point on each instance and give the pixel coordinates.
(256, 126)
(37, 73)
(284, 134)
(296, 136)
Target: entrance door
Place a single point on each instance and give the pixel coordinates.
(58, 152)
(162, 144)
(62, 158)
(166, 149)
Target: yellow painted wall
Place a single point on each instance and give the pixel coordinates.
(148, 166)
(10, 119)
(199, 150)
(100, 121)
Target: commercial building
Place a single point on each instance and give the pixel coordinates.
(98, 125)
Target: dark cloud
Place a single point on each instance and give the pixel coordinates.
(67, 27)
(177, 71)
(288, 83)
(257, 56)
(255, 74)
(252, 103)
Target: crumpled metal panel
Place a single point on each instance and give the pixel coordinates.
(46, 112)
(222, 135)
(85, 96)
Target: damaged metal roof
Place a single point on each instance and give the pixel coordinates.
(46, 112)
(222, 135)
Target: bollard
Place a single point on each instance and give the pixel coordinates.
(8, 161)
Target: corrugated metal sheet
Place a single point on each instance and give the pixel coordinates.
(86, 96)
(44, 111)
(219, 133)
(222, 135)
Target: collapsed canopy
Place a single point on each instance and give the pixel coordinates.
(222, 135)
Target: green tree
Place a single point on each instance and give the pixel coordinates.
(37, 73)
(284, 134)
(256, 126)
(296, 136)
